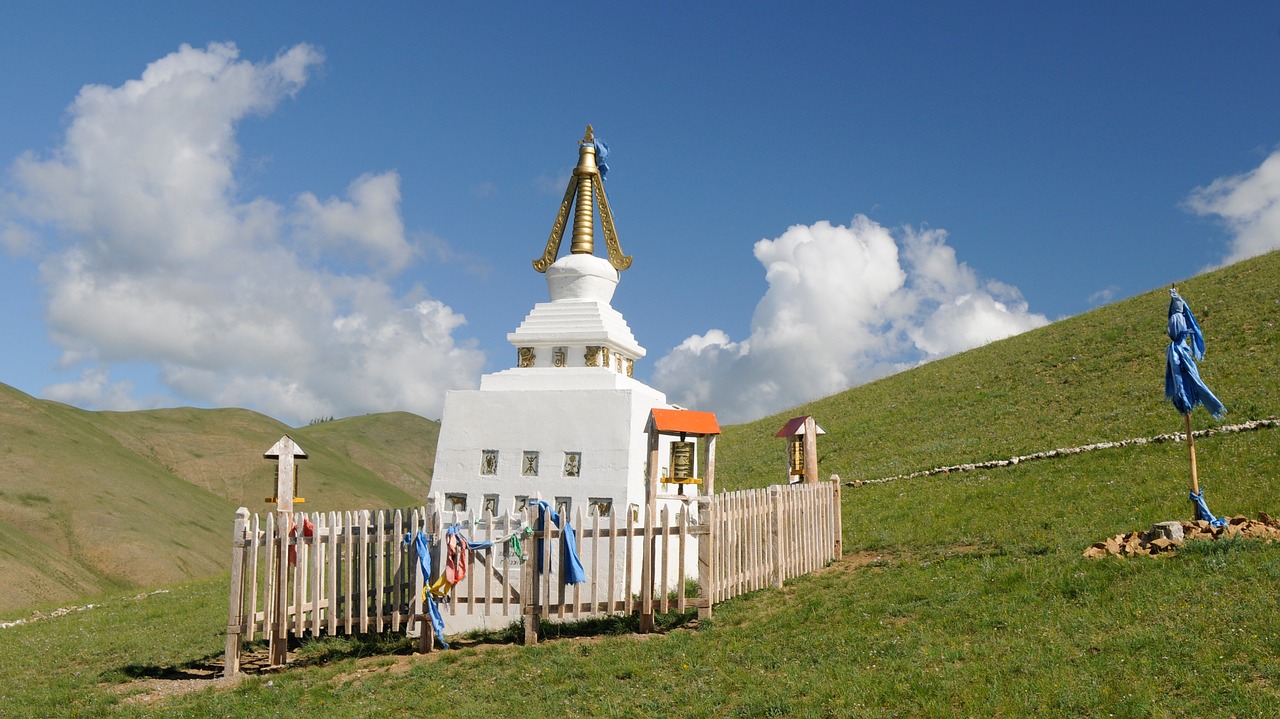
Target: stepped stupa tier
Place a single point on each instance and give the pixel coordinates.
(577, 329)
(567, 422)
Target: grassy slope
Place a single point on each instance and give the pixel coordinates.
(1090, 378)
(971, 598)
(394, 447)
(92, 501)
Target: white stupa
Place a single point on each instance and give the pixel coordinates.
(567, 423)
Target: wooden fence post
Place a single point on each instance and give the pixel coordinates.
(529, 580)
(235, 609)
(776, 529)
(651, 519)
(706, 557)
(279, 639)
(839, 523)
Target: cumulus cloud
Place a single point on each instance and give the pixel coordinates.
(368, 224)
(1249, 204)
(149, 254)
(1104, 295)
(95, 388)
(844, 305)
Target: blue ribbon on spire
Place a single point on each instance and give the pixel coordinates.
(602, 151)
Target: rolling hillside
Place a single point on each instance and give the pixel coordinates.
(94, 501)
(1090, 378)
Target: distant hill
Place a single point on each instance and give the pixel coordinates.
(96, 501)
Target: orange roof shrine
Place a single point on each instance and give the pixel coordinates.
(672, 421)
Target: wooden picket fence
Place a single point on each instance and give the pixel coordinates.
(763, 537)
(318, 574)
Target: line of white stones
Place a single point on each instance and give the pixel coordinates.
(1250, 426)
(64, 611)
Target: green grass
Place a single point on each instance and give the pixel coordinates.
(959, 595)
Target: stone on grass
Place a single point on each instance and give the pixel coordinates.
(1169, 530)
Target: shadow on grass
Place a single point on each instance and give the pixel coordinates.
(208, 667)
(330, 649)
(609, 625)
(307, 651)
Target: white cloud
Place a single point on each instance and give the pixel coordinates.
(149, 255)
(95, 388)
(1104, 295)
(368, 223)
(845, 305)
(549, 185)
(1249, 204)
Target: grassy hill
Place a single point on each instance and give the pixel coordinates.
(959, 595)
(95, 501)
(1095, 377)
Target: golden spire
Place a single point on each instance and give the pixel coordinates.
(586, 184)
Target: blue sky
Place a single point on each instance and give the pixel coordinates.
(332, 211)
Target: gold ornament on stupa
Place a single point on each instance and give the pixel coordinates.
(586, 184)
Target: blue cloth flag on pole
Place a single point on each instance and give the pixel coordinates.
(1203, 514)
(571, 571)
(1182, 382)
(423, 550)
(1183, 385)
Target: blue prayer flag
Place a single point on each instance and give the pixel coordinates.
(1182, 382)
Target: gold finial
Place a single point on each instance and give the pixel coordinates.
(586, 184)
(584, 216)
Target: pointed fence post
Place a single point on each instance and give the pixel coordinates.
(235, 608)
(775, 534)
(651, 520)
(839, 519)
(706, 556)
(529, 581)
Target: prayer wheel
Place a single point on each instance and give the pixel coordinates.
(682, 462)
(797, 455)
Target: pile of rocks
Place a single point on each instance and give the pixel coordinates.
(1168, 536)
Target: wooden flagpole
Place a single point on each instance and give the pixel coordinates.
(1191, 449)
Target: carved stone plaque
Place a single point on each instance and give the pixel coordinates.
(572, 464)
